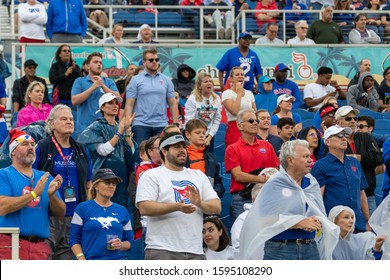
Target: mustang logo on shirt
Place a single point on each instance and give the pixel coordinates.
(105, 221)
(180, 188)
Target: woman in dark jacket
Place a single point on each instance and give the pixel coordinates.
(62, 75)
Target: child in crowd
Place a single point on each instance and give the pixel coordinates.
(198, 156)
(286, 129)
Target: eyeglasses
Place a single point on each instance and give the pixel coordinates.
(251, 121)
(151, 60)
(348, 119)
(67, 51)
(341, 135)
(361, 126)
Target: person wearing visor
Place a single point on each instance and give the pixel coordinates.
(341, 177)
(100, 228)
(175, 198)
(327, 114)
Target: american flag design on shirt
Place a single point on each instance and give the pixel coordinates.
(179, 189)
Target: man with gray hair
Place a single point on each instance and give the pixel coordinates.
(301, 28)
(288, 213)
(60, 154)
(325, 30)
(245, 159)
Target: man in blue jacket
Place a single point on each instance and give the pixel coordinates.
(67, 22)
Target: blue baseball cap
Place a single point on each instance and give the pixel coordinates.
(243, 35)
(265, 79)
(281, 67)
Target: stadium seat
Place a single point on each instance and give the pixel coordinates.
(145, 18)
(307, 123)
(382, 126)
(169, 19)
(123, 17)
(368, 112)
(305, 115)
(250, 25)
(386, 115)
(342, 102)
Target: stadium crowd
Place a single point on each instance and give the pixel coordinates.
(102, 164)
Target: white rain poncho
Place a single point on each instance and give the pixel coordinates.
(380, 223)
(352, 246)
(280, 205)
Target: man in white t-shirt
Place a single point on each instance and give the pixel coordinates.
(315, 93)
(174, 198)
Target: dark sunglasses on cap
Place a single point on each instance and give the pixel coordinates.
(361, 126)
(153, 59)
(348, 119)
(341, 135)
(251, 121)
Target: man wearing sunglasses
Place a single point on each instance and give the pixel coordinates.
(363, 147)
(245, 158)
(148, 95)
(341, 177)
(367, 124)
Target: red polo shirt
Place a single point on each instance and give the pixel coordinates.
(250, 157)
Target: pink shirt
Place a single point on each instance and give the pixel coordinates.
(30, 114)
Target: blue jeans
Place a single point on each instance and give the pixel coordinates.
(290, 251)
(237, 206)
(142, 132)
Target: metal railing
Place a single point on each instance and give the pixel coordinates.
(15, 240)
(239, 22)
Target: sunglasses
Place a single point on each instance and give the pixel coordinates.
(251, 121)
(66, 51)
(341, 135)
(361, 126)
(348, 119)
(151, 60)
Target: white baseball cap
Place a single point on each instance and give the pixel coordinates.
(285, 97)
(345, 110)
(336, 129)
(107, 97)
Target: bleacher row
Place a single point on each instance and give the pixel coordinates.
(382, 128)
